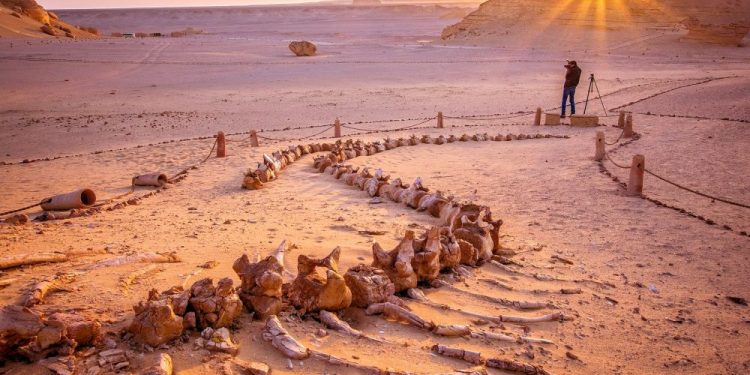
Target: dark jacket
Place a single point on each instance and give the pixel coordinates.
(573, 76)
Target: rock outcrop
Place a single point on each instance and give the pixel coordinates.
(512, 22)
(29, 19)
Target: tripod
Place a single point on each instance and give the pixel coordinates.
(592, 86)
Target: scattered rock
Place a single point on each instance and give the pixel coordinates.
(48, 30)
(163, 366)
(303, 48)
(219, 340)
(17, 219)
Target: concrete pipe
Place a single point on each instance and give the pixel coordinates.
(76, 199)
(151, 179)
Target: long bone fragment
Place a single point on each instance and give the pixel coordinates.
(502, 364)
(458, 330)
(399, 313)
(515, 366)
(129, 279)
(338, 361)
(465, 355)
(541, 277)
(535, 319)
(28, 260)
(282, 340)
(137, 258)
(520, 305)
(39, 291)
(332, 321)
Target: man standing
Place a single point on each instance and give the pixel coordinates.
(572, 77)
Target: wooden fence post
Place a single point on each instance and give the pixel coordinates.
(337, 129)
(627, 130)
(254, 139)
(599, 155)
(635, 186)
(440, 120)
(221, 145)
(621, 120)
(538, 117)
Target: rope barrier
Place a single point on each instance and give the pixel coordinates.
(296, 139)
(696, 192)
(389, 130)
(497, 116)
(614, 162)
(20, 209)
(616, 140)
(107, 201)
(675, 184)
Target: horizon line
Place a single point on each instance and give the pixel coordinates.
(284, 3)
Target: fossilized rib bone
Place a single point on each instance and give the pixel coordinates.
(282, 340)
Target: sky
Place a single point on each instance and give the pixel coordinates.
(88, 4)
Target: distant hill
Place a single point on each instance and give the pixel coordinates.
(564, 24)
(27, 19)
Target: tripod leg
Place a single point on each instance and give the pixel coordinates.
(600, 97)
(591, 81)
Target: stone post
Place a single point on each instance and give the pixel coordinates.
(635, 186)
(627, 130)
(221, 145)
(440, 120)
(538, 117)
(254, 139)
(337, 129)
(621, 120)
(599, 155)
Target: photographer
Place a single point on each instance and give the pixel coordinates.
(572, 77)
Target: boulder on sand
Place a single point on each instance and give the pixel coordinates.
(303, 48)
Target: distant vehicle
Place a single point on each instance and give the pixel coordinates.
(128, 35)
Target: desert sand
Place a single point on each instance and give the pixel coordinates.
(654, 281)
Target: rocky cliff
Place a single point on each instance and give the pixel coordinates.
(26, 18)
(502, 21)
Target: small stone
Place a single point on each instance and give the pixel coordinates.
(207, 333)
(163, 366)
(376, 200)
(122, 365)
(303, 48)
(321, 332)
(17, 219)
